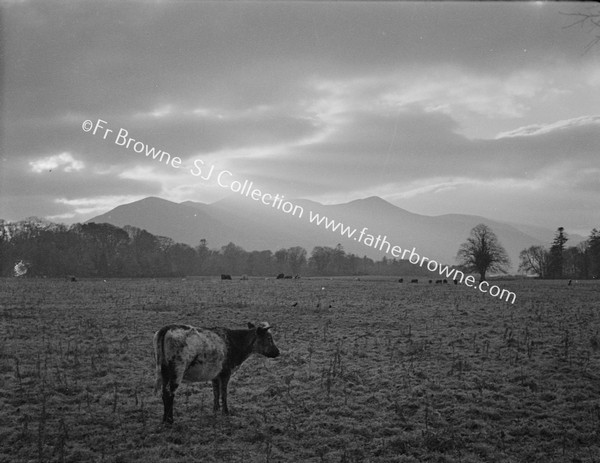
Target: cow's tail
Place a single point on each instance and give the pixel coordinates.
(159, 356)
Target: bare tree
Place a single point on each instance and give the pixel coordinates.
(534, 260)
(589, 18)
(296, 257)
(482, 252)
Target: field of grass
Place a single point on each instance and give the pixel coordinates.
(370, 371)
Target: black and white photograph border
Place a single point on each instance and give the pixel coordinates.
(299, 231)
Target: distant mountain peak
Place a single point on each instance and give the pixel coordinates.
(149, 201)
(378, 205)
(377, 199)
(370, 201)
(256, 227)
(155, 199)
(192, 204)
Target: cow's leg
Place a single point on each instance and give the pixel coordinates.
(224, 381)
(167, 397)
(216, 384)
(170, 381)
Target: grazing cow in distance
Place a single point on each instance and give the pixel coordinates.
(414, 281)
(288, 277)
(438, 282)
(184, 353)
(445, 281)
(401, 280)
(455, 282)
(281, 276)
(225, 277)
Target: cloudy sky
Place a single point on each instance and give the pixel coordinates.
(490, 109)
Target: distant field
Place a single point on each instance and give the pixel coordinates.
(370, 371)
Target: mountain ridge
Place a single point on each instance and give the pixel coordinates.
(254, 226)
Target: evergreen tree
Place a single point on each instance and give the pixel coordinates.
(556, 261)
(594, 253)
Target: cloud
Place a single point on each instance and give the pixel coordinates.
(541, 129)
(92, 206)
(422, 103)
(20, 180)
(63, 160)
(464, 94)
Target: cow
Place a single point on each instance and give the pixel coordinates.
(225, 277)
(445, 281)
(287, 277)
(184, 353)
(455, 282)
(401, 280)
(414, 281)
(281, 276)
(438, 282)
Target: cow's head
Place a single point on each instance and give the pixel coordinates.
(264, 344)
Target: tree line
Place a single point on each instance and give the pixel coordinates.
(35, 247)
(559, 261)
(482, 253)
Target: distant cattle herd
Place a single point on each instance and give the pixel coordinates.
(437, 282)
(283, 276)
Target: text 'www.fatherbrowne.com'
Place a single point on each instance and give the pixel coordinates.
(244, 187)
(382, 244)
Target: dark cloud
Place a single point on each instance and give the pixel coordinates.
(307, 99)
(132, 56)
(418, 145)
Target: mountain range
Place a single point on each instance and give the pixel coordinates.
(255, 226)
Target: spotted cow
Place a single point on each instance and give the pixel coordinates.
(184, 353)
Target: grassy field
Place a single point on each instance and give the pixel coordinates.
(371, 370)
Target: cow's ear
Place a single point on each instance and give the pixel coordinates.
(263, 328)
(251, 326)
(265, 325)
